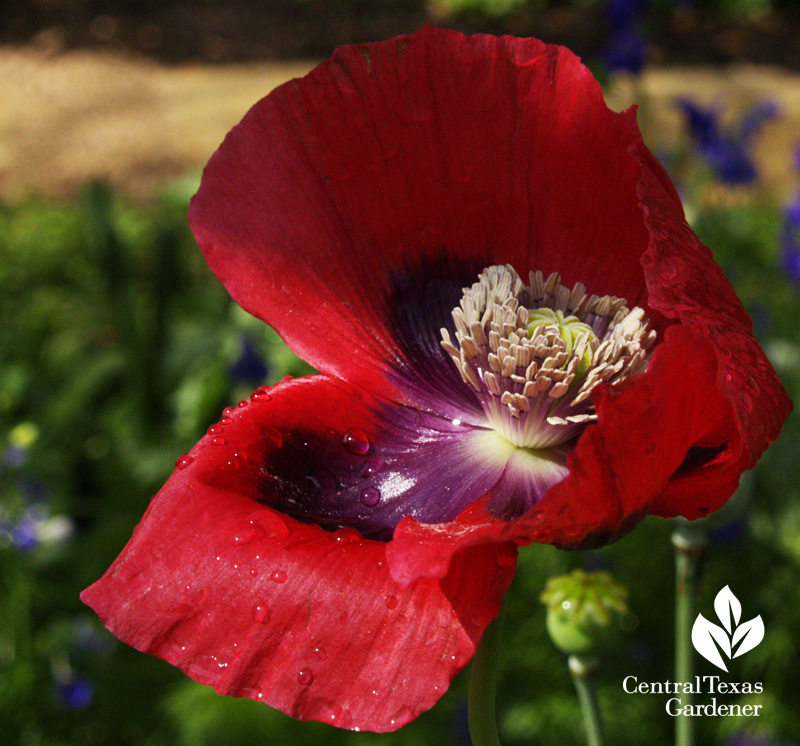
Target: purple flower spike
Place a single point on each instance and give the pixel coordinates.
(727, 152)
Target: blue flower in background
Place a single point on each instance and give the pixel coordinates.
(790, 240)
(250, 366)
(627, 46)
(727, 152)
(25, 534)
(15, 456)
(627, 51)
(74, 692)
(621, 12)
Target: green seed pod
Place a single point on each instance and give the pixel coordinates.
(584, 611)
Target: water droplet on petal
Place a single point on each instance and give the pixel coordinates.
(243, 403)
(271, 522)
(346, 535)
(305, 677)
(370, 497)
(356, 442)
(391, 602)
(218, 441)
(321, 654)
(183, 462)
(262, 395)
(403, 715)
(245, 536)
(330, 712)
(279, 576)
(228, 411)
(215, 430)
(225, 421)
(260, 613)
(372, 467)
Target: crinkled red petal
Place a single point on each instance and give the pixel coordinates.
(257, 604)
(685, 283)
(618, 470)
(341, 190)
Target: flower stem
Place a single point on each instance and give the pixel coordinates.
(689, 545)
(582, 670)
(483, 683)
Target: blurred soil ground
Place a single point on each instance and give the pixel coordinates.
(71, 116)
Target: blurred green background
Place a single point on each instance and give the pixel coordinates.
(119, 349)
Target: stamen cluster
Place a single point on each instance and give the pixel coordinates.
(535, 353)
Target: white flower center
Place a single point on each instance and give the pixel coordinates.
(535, 353)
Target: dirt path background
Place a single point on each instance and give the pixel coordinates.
(79, 115)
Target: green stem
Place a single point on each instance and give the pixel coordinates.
(689, 546)
(582, 670)
(483, 683)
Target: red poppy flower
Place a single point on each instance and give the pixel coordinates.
(337, 544)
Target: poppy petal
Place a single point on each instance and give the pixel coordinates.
(617, 472)
(258, 604)
(339, 192)
(331, 454)
(685, 283)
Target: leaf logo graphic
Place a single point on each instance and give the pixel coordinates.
(733, 639)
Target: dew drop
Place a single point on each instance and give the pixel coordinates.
(228, 411)
(270, 522)
(215, 430)
(218, 441)
(356, 442)
(262, 395)
(183, 462)
(330, 712)
(305, 677)
(321, 654)
(242, 403)
(403, 715)
(245, 536)
(260, 613)
(372, 467)
(370, 496)
(346, 535)
(225, 421)
(391, 602)
(279, 576)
